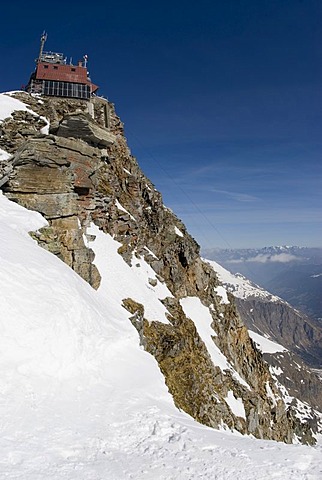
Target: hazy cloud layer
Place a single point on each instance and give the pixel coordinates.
(265, 258)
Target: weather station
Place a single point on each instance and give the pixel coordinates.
(54, 77)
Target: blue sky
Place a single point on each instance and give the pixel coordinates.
(221, 101)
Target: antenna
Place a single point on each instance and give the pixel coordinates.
(43, 38)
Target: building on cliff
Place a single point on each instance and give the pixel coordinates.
(53, 76)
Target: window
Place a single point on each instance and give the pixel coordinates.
(55, 68)
(73, 69)
(45, 66)
(66, 89)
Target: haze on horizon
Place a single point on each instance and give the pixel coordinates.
(221, 103)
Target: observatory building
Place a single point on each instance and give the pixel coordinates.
(53, 76)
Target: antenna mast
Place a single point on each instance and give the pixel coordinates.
(43, 38)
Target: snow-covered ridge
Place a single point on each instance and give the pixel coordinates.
(240, 286)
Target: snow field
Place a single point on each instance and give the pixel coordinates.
(120, 281)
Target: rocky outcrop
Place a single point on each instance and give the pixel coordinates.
(81, 125)
(82, 172)
(56, 177)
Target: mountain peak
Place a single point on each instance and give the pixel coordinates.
(68, 160)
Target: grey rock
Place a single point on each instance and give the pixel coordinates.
(81, 125)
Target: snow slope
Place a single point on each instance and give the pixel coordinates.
(8, 105)
(80, 399)
(265, 345)
(239, 285)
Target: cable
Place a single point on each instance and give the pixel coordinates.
(201, 213)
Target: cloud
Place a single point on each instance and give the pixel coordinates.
(240, 197)
(283, 258)
(266, 258)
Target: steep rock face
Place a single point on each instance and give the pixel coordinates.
(82, 172)
(272, 318)
(299, 336)
(287, 326)
(53, 176)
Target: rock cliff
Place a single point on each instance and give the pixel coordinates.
(69, 160)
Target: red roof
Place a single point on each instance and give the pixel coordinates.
(63, 73)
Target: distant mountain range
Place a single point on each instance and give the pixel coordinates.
(290, 272)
